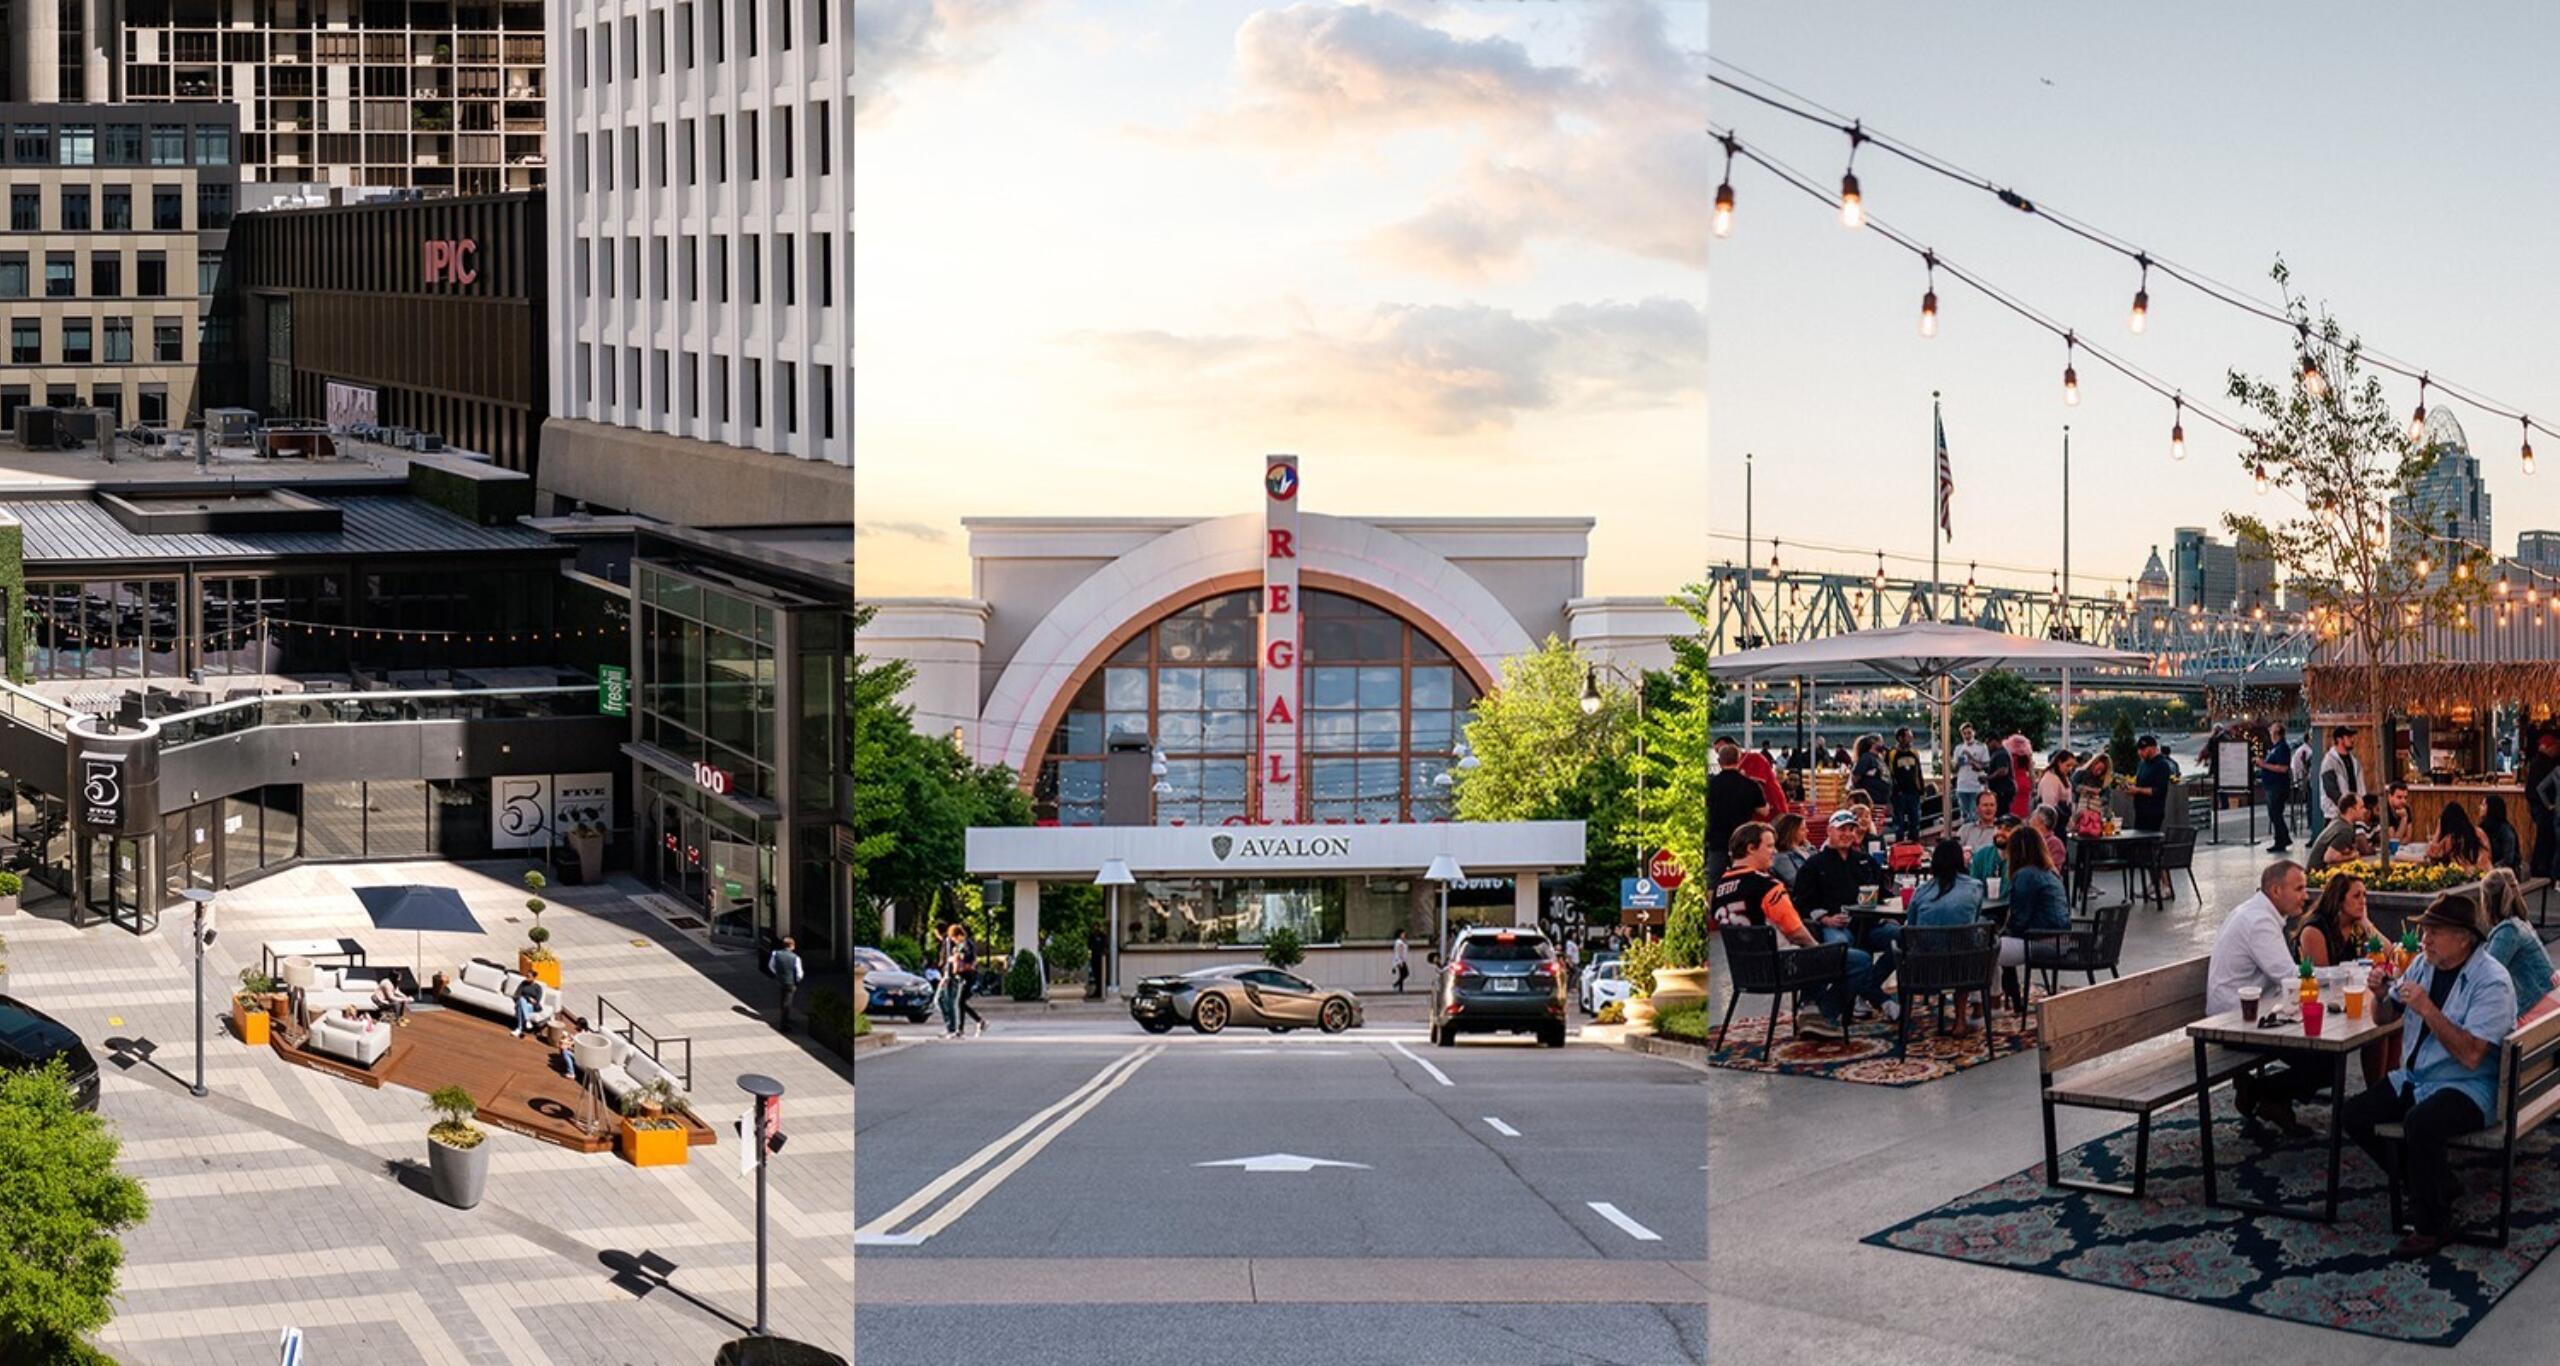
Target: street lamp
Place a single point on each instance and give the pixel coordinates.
(1591, 707)
(767, 1095)
(1114, 875)
(202, 899)
(1463, 758)
(1444, 870)
(1159, 768)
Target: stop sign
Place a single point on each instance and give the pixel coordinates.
(1664, 870)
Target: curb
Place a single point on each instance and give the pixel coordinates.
(876, 1039)
(1674, 1050)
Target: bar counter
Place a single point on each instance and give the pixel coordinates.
(2427, 801)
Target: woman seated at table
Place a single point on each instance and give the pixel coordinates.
(2505, 849)
(2036, 902)
(2089, 785)
(1791, 855)
(2339, 931)
(2458, 841)
(2512, 940)
(1948, 895)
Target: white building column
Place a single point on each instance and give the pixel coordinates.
(1524, 901)
(1026, 926)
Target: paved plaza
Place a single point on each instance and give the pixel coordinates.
(287, 1197)
(1829, 1163)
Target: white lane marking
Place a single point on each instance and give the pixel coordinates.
(997, 1175)
(886, 1240)
(1282, 1162)
(1501, 1128)
(1288, 1049)
(907, 1208)
(1436, 1074)
(1616, 1216)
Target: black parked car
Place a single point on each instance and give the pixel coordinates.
(29, 1039)
(1500, 979)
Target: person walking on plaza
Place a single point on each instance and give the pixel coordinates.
(2459, 1005)
(2340, 773)
(2275, 774)
(964, 968)
(785, 968)
(1972, 759)
(1403, 968)
(1097, 948)
(1902, 763)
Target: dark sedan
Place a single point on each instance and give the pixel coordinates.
(1500, 980)
(29, 1039)
(1246, 994)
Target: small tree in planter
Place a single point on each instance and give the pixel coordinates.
(249, 1006)
(1282, 949)
(1680, 979)
(457, 1149)
(652, 1131)
(1642, 960)
(538, 961)
(1022, 980)
(10, 885)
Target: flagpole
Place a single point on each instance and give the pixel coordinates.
(1937, 524)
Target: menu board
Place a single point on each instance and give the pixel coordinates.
(2232, 769)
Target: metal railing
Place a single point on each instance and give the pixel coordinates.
(357, 708)
(36, 710)
(633, 1030)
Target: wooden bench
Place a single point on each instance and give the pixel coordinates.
(2090, 1058)
(2529, 1096)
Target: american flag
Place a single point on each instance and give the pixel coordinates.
(1946, 480)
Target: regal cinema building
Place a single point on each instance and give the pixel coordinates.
(1255, 715)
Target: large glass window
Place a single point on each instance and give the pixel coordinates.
(1381, 709)
(707, 686)
(110, 628)
(333, 820)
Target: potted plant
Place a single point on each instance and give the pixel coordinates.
(537, 961)
(1282, 949)
(457, 1149)
(10, 886)
(249, 1009)
(586, 840)
(1637, 966)
(1680, 979)
(653, 1128)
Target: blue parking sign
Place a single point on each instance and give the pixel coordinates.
(1642, 894)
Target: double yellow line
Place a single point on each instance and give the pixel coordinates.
(1039, 1131)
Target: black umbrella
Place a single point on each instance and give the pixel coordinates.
(418, 909)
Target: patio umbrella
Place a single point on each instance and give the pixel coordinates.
(1928, 655)
(418, 909)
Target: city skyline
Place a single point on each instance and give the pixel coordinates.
(2391, 212)
(1452, 256)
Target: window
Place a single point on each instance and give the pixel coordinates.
(823, 248)
(578, 154)
(658, 255)
(76, 144)
(782, 143)
(658, 152)
(605, 372)
(168, 144)
(748, 145)
(13, 275)
(117, 206)
(684, 134)
(747, 11)
(61, 275)
(718, 145)
(123, 145)
(586, 372)
(692, 387)
(604, 49)
(578, 58)
(630, 47)
(78, 340)
(165, 209)
(26, 341)
(213, 205)
(604, 268)
(822, 135)
(750, 267)
(31, 144)
(213, 145)
(821, 10)
(208, 271)
(631, 156)
(23, 206)
(823, 396)
(692, 270)
(604, 158)
(151, 403)
(753, 394)
(719, 380)
(658, 41)
(684, 34)
(786, 397)
(585, 278)
(719, 269)
(631, 271)
(75, 208)
(631, 358)
(168, 341)
(788, 270)
(718, 29)
(119, 340)
(151, 274)
(658, 377)
(106, 274)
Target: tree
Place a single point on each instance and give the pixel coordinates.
(2122, 753)
(62, 1203)
(1281, 949)
(2001, 704)
(1679, 734)
(2336, 447)
(1542, 758)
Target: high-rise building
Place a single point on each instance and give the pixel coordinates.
(702, 256)
(2207, 572)
(2254, 574)
(112, 253)
(2446, 501)
(397, 94)
(2539, 550)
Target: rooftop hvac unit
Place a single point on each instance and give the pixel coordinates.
(230, 426)
(429, 441)
(39, 428)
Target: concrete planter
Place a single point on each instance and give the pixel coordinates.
(1640, 1009)
(588, 846)
(459, 1175)
(9, 904)
(1678, 989)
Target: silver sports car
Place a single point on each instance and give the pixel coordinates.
(1245, 994)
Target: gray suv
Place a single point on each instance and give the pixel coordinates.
(1505, 980)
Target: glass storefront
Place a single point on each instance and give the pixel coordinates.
(717, 859)
(1200, 912)
(1383, 704)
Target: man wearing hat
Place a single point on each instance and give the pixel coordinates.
(2155, 780)
(2457, 1005)
(1829, 884)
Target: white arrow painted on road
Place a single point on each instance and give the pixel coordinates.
(1282, 1162)
(1293, 1052)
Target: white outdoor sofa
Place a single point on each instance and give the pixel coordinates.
(486, 987)
(362, 1042)
(633, 1069)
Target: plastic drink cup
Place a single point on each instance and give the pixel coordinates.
(2355, 1000)
(1906, 897)
(2311, 1013)
(2249, 1004)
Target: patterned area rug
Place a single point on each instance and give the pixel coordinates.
(2340, 1275)
(1867, 1054)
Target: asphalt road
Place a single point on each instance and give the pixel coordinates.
(1039, 1195)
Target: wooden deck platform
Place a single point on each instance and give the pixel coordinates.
(518, 1085)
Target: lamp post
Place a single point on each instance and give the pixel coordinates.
(1114, 875)
(1591, 707)
(766, 1093)
(1748, 641)
(1444, 870)
(202, 899)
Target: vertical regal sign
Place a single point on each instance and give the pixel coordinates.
(1276, 778)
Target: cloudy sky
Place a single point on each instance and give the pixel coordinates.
(2397, 156)
(1111, 252)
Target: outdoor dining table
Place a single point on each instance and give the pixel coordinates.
(2338, 1040)
(2120, 852)
(271, 955)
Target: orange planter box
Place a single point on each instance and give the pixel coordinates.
(250, 1025)
(547, 974)
(652, 1147)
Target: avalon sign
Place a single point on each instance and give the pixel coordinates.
(1268, 847)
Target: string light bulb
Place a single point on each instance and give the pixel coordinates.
(2141, 315)
(2528, 445)
(1879, 571)
(1929, 299)
(2262, 481)
(2070, 373)
(1853, 211)
(2418, 419)
(1724, 193)
(2178, 429)
(2313, 382)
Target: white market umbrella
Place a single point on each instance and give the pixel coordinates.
(1929, 655)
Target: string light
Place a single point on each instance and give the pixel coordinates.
(1724, 193)
(2418, 419)
(2528, 445)
(1853, 212)
(2178, 430)
(1929, 300)
(2070, 375)
(2262, 481)
(2141, 298)
(2313, 383)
